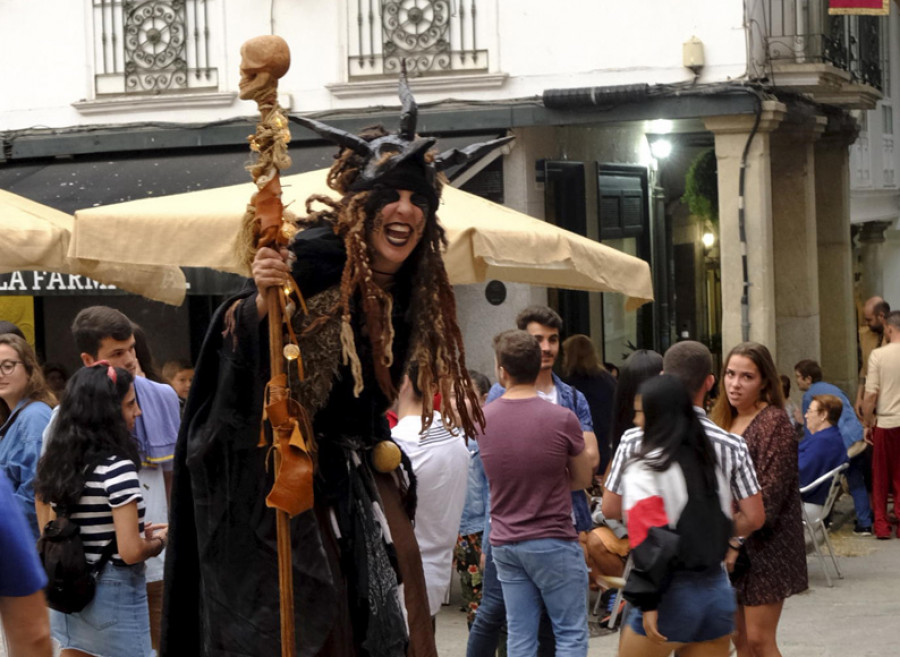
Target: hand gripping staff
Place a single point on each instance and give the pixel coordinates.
(264, 59)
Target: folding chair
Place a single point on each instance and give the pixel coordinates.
(815, 526)
(617, 583)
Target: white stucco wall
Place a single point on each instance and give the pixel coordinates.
(891, 280)
(46, 50)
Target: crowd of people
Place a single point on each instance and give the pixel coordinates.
(98, 452)
(420, 464)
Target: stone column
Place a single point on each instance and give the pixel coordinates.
(794, 240)
(731, 133)
(837, 309)
(871, 255)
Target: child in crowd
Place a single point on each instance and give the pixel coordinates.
(179, 374)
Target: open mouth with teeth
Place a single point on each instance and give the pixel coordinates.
(398, 234)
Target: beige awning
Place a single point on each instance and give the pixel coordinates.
(37, 238)
(487, 240)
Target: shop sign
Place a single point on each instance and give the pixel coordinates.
(861, 7)
(38, 283)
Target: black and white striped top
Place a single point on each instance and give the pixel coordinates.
(731, 454)
(112, 484)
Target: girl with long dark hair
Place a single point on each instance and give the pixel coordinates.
(640, 366)
(678, 509)
(89, 471)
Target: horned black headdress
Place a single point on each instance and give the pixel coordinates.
(400, 156)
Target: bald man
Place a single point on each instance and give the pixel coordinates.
(870, 338)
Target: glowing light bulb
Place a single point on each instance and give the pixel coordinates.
(661, 148)
(708, 239)
(291, 352)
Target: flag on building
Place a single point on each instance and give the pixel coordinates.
(864, 7)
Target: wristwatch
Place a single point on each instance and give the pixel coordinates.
(736, 542)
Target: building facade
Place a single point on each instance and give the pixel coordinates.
(126, 99)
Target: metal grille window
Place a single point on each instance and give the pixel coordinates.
(152, 47)
(433, 36)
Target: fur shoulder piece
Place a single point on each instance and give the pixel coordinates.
(319, 339)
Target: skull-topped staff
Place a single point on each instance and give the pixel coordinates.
(264, 60)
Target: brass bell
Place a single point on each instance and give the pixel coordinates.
(386, 456)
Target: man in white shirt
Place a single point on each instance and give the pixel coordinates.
(881, 417)
(440, 463)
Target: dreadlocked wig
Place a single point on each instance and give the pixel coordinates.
(437, 344)
(369, 167)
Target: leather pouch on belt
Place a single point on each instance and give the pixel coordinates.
(292, 491)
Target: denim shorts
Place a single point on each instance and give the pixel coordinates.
(116, 623)
(695, 607)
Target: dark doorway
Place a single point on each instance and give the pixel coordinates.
(624, 221)
(564, 192)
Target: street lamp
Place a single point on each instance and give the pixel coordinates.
(661, 148)
(708, 239)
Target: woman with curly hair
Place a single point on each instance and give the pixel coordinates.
(25, 407)
(89, 472)
(376, 297)
(751, 405)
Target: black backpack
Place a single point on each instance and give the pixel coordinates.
(71, 580)
(703, 528)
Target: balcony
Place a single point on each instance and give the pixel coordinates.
(835, 59)
(152, 47)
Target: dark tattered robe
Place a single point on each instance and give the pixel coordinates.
(221, 571)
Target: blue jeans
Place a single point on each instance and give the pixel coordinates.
(490, 619)
(550, 571)
(856, 482)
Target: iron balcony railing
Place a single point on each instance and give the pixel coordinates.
(152, 47)
(801, 31)
(434, 37)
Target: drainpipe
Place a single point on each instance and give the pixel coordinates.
(742, 230)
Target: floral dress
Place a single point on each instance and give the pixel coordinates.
(777, 551)
(468, 561)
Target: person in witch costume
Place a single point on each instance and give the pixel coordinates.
(376, 296)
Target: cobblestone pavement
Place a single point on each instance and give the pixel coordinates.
(856, 618)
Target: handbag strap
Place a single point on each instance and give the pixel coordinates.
(108, 550)
(62, 511)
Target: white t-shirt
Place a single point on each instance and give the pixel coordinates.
(552, 396)
(440, 462)
(883, 378)
(153, 488)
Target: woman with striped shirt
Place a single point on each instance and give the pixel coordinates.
(90, 469)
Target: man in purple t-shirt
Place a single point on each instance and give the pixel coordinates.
(533, 454)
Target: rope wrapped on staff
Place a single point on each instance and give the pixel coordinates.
(263, 61)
